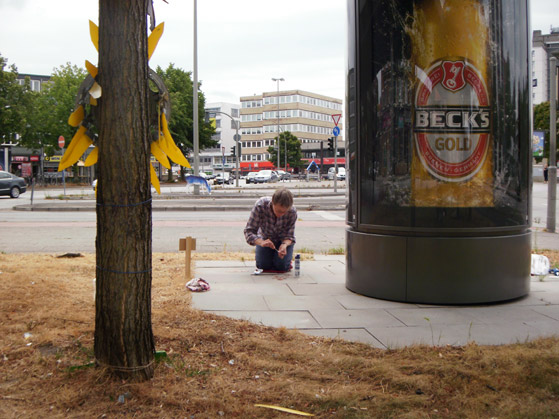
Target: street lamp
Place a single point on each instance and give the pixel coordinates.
(277, 98)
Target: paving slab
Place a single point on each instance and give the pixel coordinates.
(353, 335)
(319, 289)
(433, 315)
(301, 302)
(508, 316)
(353, 301)
(550, 311)
(455, 335)
(242, 288)
(337, 319)
(289, 319)
(319, 304)
(207, 301)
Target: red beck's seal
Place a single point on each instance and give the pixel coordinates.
(452, 120)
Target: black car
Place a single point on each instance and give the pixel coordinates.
(11, 185)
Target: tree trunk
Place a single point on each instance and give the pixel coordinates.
(123, 334)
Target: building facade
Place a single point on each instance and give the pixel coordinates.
(306, 115)
(19, 160)
(543, 47)
(227, 122)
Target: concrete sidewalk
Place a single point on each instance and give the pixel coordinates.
(317, 303)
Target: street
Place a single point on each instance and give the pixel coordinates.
(215, 231)
(319, 231)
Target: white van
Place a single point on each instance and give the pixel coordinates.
(340, 176)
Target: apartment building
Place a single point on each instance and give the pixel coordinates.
(226, 117)
(306, 115)
(543, 47)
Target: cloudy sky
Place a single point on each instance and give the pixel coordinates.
(242, 44)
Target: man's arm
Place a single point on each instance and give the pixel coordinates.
(251, 228)
(289, 234)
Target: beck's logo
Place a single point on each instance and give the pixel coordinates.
(452, 120)
(453, 75)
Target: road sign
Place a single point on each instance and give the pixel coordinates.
(61, 141)
(336, 131)
(336, 118)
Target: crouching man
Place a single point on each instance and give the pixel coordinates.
(271, 228)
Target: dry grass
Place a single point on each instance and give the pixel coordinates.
(221, 367)
(552, 255)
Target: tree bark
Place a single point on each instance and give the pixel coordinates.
(123, 334)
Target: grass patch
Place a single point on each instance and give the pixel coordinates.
(340, 250)
(220, 367)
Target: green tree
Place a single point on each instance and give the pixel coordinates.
(541, 123)
(179, 84)
(12, 108)
(48, 111)
(293, 150)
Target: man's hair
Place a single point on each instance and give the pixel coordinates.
(283, 197)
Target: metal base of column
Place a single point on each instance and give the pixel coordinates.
(438, 270)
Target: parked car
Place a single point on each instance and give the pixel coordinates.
(341, 173)
(265, 176)
(11, 184)
(283, 175)
(250, 177)
(220, 179)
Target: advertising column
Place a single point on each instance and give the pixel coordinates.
(439, 144)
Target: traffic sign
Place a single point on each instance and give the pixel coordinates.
(61, 141)
(336, 118)
(336, 131)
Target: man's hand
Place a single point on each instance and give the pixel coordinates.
(266, 243)
(282, 251)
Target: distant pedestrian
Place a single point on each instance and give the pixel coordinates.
(271, 228)
(545, 169)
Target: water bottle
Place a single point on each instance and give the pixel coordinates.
(297, 265)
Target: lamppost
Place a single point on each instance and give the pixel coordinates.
(552, 168)
(195, 133)
(277, 98)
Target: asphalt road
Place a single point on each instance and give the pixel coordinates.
(321, 226)
(216, 230)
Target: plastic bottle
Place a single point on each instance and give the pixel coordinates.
(297, 265)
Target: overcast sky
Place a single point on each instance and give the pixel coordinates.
(242, 44)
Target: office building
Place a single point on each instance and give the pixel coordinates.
(220, 158)
(306, 115)
(543, 47)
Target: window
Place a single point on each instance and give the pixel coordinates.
(36, 85)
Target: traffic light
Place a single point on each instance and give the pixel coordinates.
(233, 151)
(331, 144)
(239, 148)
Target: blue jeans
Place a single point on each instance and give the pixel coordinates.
(268, 259)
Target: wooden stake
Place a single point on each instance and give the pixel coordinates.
(187, 245)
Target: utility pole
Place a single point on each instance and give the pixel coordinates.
(552, 168)
(277, 98)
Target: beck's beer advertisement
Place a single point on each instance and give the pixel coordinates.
(453, 145)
